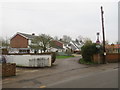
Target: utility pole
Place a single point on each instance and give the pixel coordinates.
(104, 51)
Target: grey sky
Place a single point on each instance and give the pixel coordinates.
(60, 18)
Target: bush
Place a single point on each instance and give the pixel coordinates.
(88, 50)
(53, 57)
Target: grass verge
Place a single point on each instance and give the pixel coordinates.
(63, 57)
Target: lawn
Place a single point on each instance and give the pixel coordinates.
(63, 57)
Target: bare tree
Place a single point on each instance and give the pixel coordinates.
(4, 42)
(87, 41)
(66, 38)
(41, 42)
(56, 38)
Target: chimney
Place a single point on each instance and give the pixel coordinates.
(33, 34)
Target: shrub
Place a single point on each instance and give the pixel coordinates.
(88, 50)
(82, 61)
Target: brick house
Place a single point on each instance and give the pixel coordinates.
(20, 42)
(113, 48)
(56, 46)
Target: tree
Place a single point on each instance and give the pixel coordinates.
(60, 39)
(41, 42)
(56, 38)
(87, 41)
(66, 38)
(83, 39)
(117, 42)
(4, 42)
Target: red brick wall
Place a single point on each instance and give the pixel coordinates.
(110, 57)
(8, 69)
(113, 57)
(19, 42)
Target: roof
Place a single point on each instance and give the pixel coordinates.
(76, 44)
(58, 47)
(57, 41)
(113, 46)
(73, 47)
(117, 46)
(27, 36)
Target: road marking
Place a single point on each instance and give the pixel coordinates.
(43, 86)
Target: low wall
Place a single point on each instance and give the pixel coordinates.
(8, 69)
(110, 57)
(53, 54)
(113, 57)
(29, 60)
(97, 58)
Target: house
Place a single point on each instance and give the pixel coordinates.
(113, 48)
(76, 46)
(56, 46)
(73, 46)
(20, 42)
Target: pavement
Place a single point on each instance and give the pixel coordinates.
(63, 69)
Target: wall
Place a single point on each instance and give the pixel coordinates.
(29, 60)
(110, 58)
(113, 57)
(8, 69)
(97, 58)
(19, 42)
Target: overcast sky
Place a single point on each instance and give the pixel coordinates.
(58, 18)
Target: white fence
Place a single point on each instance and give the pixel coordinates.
(29, 60)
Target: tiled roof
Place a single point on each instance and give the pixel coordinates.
(27, 35)
(58, 47)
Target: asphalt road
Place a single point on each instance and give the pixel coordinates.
(106, 79)
(66, 72)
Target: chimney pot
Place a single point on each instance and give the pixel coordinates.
(33, 34)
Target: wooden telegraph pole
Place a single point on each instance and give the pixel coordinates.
(104, 51)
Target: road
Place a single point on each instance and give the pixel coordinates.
(64, 70)
(107, 79)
